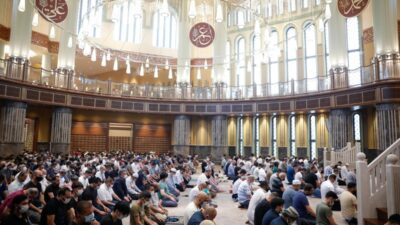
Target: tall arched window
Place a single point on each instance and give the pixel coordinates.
(241, 61)
(256, 68)
(240, 18)
(274, 146)
(292, 5)
(313, 136)
(128, 27)
(292, 134)
(326, 48)
(354, 50)
(279, 7)
(274, 63)
(310, 44)
(164, 30)
(305, 4)
(291, 54)
(357, 127)
(240, 135)
(93, 17)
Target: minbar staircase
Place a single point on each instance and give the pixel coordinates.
(378, 186)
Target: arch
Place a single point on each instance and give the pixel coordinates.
(240, 59)
(310, 56)
(291, 47)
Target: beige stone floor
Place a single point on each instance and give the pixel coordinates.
(228, 212)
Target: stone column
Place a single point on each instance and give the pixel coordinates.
(181, 135)
(12, 121)
(340, 128)
(219, 135)
(61, 131)
(219, 50)
(337, 47)
(388, 121)
(184, 45)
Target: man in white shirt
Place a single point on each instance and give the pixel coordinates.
(203, 178)
(196, 190)
(245, 192)
(106, 193)
(84, 179)
(18, 183)
(329, 185)
(258, 196)
(299, 175)
(133, 190)
(262, 175)
(348, 204)
(344, 172)
(101, 173)
(194, 206)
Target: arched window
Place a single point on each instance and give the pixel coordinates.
(292, 134)
(240, 18)
(128, 27)
(268, 9)
(310, 45)
(241, 61)
(292, 5)
(313, 136)
(326, 48)
(240, 135)
(274, 146)
(228, 63)
(257, 135)
(279, 7)
(305, 4)
(274, 63)
(255, 55)
(354, 50)
(92, 12)
(164, 30)
(291, 54)
(357, 127)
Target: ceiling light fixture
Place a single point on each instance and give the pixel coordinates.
(192, 9)
(141, 72)
(219, 15)
(170, 73)
(156, 72)
(94, 55)
(108, 55)
(52, 33)
(21, 6)
(115, 67)
(205, 64)
(104, 60)
(166, 64)
(128, 68)
(147, 63)
(35, 19)
(164, 10)
(198, 74)
(87, 49)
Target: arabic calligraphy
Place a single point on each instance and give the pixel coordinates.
(351, 8)
(52, 10)
(202, 35)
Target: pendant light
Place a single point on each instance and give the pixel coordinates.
(108, 55)
(94, 55)
(21, 6)
(141, 71)
(156, 72)
(115, 67)
(166, 64)
(205, 64)
(69, 43)
(52, 33)
(192, 9)
(104, 60)
(198, 74)
(219, 15)
(87, 49)
(170, 73)
(147, 63)
(35, 19)
(128, 68)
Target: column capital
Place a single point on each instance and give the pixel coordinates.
(12, 104)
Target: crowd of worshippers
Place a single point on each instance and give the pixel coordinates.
(284, 188)
(95, 188)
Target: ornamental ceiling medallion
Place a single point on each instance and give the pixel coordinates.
(351, 8)
(202, 35)
(52, 10)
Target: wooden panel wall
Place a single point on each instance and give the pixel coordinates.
(88, 136)
(232, 131)
(265, 134)
(200, 131)
(322, 131)
(282, 138)
(301, 131)
(155, 138)
(248, 131)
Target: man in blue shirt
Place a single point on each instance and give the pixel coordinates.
(244, 192)
(301, 204)
(276, 208)
(208, 213)
(290, 192)
(231, 170)
(290, 173)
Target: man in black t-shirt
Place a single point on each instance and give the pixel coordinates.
(58, 211)
(37, 202)
(90, 194)
(311, 178)
(52, 189)
(263, 208)
(121, 210)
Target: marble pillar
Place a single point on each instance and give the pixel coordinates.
(12, 121)
(181, 135)
(388, 121)
(386, 37)
(184, 45)
(340, 131)
(61, 131)
(338, 48)
(219, 137)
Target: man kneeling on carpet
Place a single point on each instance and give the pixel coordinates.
(207, 213)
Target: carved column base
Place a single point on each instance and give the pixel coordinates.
(181, 150)
(60, 148)
(9, 150)
(386, 66)
(17, 68)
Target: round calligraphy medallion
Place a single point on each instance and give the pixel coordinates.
(52, 10)
(202, 35)
(351, 8)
